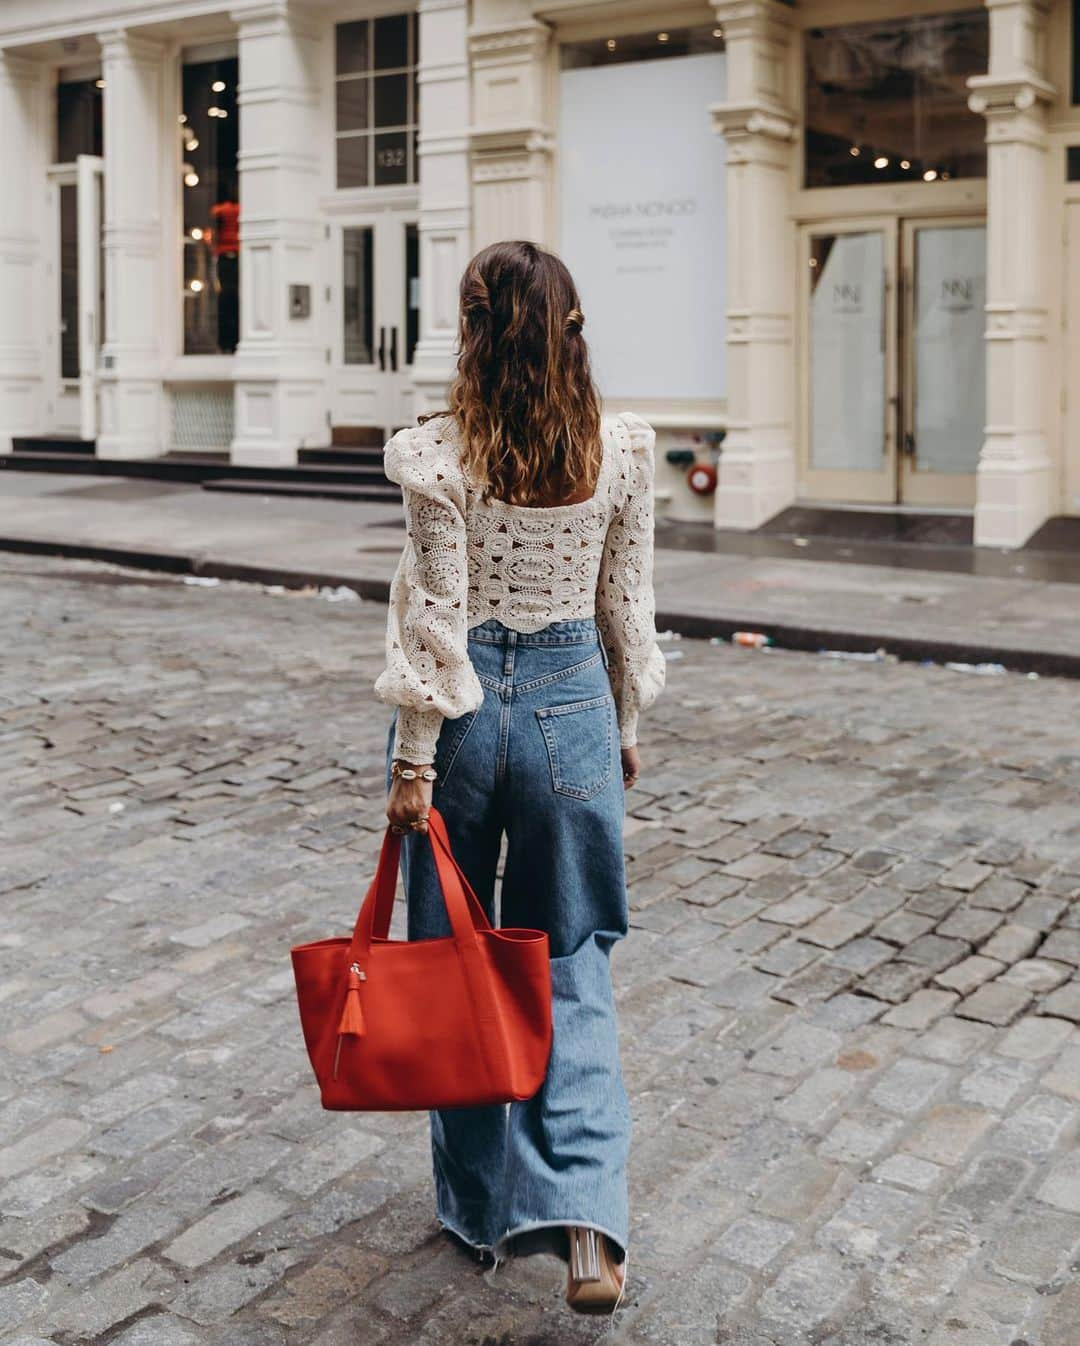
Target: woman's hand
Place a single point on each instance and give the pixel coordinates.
(409, 801)
(631, 766)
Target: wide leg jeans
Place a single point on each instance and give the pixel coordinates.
(538, 761)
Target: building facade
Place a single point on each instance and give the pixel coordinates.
(830, 249)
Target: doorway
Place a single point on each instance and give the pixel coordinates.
(894, 373)
(76, 331)
(375, 287)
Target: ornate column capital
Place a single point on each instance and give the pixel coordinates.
(1004, 95)
(757, 117)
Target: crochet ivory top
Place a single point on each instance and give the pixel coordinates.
(466, 559)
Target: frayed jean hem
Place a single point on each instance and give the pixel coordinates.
(502, 1251)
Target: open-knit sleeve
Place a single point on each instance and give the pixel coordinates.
(625, 602)
(428, 673)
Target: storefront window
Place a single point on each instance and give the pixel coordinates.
(650, 46)
(209, 127)
(887, 101)
(376, 101)
(78, 118)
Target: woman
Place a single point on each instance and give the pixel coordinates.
(521, 645)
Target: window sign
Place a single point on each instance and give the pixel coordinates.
(643, 223)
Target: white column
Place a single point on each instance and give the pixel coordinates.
(24, 310)
(138, 152)
(1015, 491)
(280, 368)
(512, 141)
(757, 473)
(445, 215)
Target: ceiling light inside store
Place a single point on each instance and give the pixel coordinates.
(192, 144)
(191, 179)
(930, 175)
(182, 118)
(218, 86)
(213, 112)
(663, 37)
(718, 32)
(905, 164)
(196, 287)
(881, 162)
(196, 233)
(99, 84)
(611, 44)
(855, 151)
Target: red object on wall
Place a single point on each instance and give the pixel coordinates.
(701, 478)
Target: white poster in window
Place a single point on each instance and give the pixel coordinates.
(643, 223)
(950, 348)
(847, 354)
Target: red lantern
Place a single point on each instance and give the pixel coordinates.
(701, 478)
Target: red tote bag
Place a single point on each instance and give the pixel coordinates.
(394, 1025)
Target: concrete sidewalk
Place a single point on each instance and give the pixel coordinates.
(1025, 624)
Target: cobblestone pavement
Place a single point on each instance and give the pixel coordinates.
(848, 1005)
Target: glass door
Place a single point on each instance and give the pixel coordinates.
(79, 296)
(376, 292)
(90, 288)
(849, 372)
(944, 326)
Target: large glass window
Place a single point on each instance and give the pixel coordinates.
(886, 101)
(78, 118)
(376, 101)
(209, 128)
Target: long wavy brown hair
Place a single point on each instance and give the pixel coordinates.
(523, 397)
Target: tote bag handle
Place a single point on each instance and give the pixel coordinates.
(462, 905)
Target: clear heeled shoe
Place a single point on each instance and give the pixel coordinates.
(595, 1281)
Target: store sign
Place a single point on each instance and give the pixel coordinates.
(643, 223)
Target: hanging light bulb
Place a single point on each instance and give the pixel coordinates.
(192, 144)
(196, 287)
(213, 112)
(191, 179)
(196, 233)
(218, 86)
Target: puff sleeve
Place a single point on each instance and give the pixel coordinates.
(428, 673)
(625, 602)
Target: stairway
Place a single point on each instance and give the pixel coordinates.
(331, 473)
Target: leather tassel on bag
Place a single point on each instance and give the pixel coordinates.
(352, 1015)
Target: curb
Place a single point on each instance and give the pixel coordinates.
(784, 635)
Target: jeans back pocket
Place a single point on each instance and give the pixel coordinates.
(578, 736)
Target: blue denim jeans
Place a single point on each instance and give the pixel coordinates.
(538, 761)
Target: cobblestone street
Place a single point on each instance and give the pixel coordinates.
(848, 1005)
